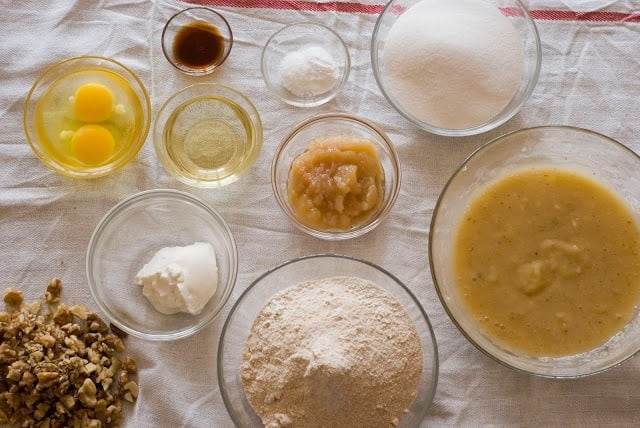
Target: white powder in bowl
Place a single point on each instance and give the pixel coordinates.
(453, 64)
(337, 352)
(309, 72)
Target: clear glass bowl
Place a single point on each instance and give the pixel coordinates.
(207, 135)
(214, 39)
(328, 125)
(130, 234)
(294, 38)
(52, 92)
(250, 303)
(517, 14)
(574, 149)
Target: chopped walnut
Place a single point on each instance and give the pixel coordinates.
(54, 289)
(13, 297)
(61, 368)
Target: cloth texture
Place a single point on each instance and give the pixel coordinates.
(590, 78)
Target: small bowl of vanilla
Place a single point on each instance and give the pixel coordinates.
(305, 64)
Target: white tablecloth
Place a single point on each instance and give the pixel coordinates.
(590, 78)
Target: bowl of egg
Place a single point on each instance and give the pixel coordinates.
(336, 176)
(87, 116)
(535, 251)
(456, 68)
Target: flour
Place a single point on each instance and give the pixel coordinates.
(309, 72)
(453, 64)
(337, 352)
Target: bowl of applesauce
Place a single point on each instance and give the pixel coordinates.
(336, 176)
(87, 116)
(534, 250)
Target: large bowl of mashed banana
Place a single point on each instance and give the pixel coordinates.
(535, 251)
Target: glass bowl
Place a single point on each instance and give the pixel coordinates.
(130, 234)
(197, 40)
(59, 126)
(335, 125)
(207, 135)
(526, 30)
(305, 64)
(577, 150)
(250, 303)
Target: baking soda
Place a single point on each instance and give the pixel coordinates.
(453, 64)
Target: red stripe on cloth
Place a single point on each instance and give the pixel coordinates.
(310, 6)
(372, 9)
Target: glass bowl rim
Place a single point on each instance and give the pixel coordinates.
(489, 125)
(173, 195)
(435, 216)
(385, 209)
(435, 372)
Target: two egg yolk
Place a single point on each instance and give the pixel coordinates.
(93, 143)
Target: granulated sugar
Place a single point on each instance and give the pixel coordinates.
(337, 352)
(453, 64)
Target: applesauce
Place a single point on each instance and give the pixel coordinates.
(547, 262)
(337, 183)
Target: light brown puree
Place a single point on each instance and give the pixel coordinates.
(337, 183)
(548, 262)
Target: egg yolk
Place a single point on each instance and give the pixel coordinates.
(92, 144)
(93, 102)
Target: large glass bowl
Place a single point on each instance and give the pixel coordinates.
(130, 234)
(52, 92)
(517, 14)
(578, 150)
(240, 320)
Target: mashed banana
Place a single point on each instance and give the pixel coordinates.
(337, 183)
(548, 262)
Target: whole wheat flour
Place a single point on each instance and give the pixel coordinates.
(453, 64)
(336, 352)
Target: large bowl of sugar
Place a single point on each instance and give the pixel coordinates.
(456, 68)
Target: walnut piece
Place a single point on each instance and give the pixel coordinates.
(62, 368)
(13, 297)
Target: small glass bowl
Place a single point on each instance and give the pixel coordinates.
(197, 40)
(52, 93)
(573, 149)
(292, 39)
(130, 234)
(526, 29)
(243, 313)
(207, 135)
(329, 125)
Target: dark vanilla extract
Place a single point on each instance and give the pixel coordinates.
(198, 45)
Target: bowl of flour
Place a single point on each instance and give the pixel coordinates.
(456, 68)
(327, 341)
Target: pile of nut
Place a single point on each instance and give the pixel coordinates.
(62, 368)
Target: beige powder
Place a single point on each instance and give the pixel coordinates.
(337, 352)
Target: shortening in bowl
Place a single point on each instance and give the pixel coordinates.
(208, 135)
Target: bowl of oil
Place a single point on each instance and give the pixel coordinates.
(87, 116)
(197, 40)
(207, 135)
